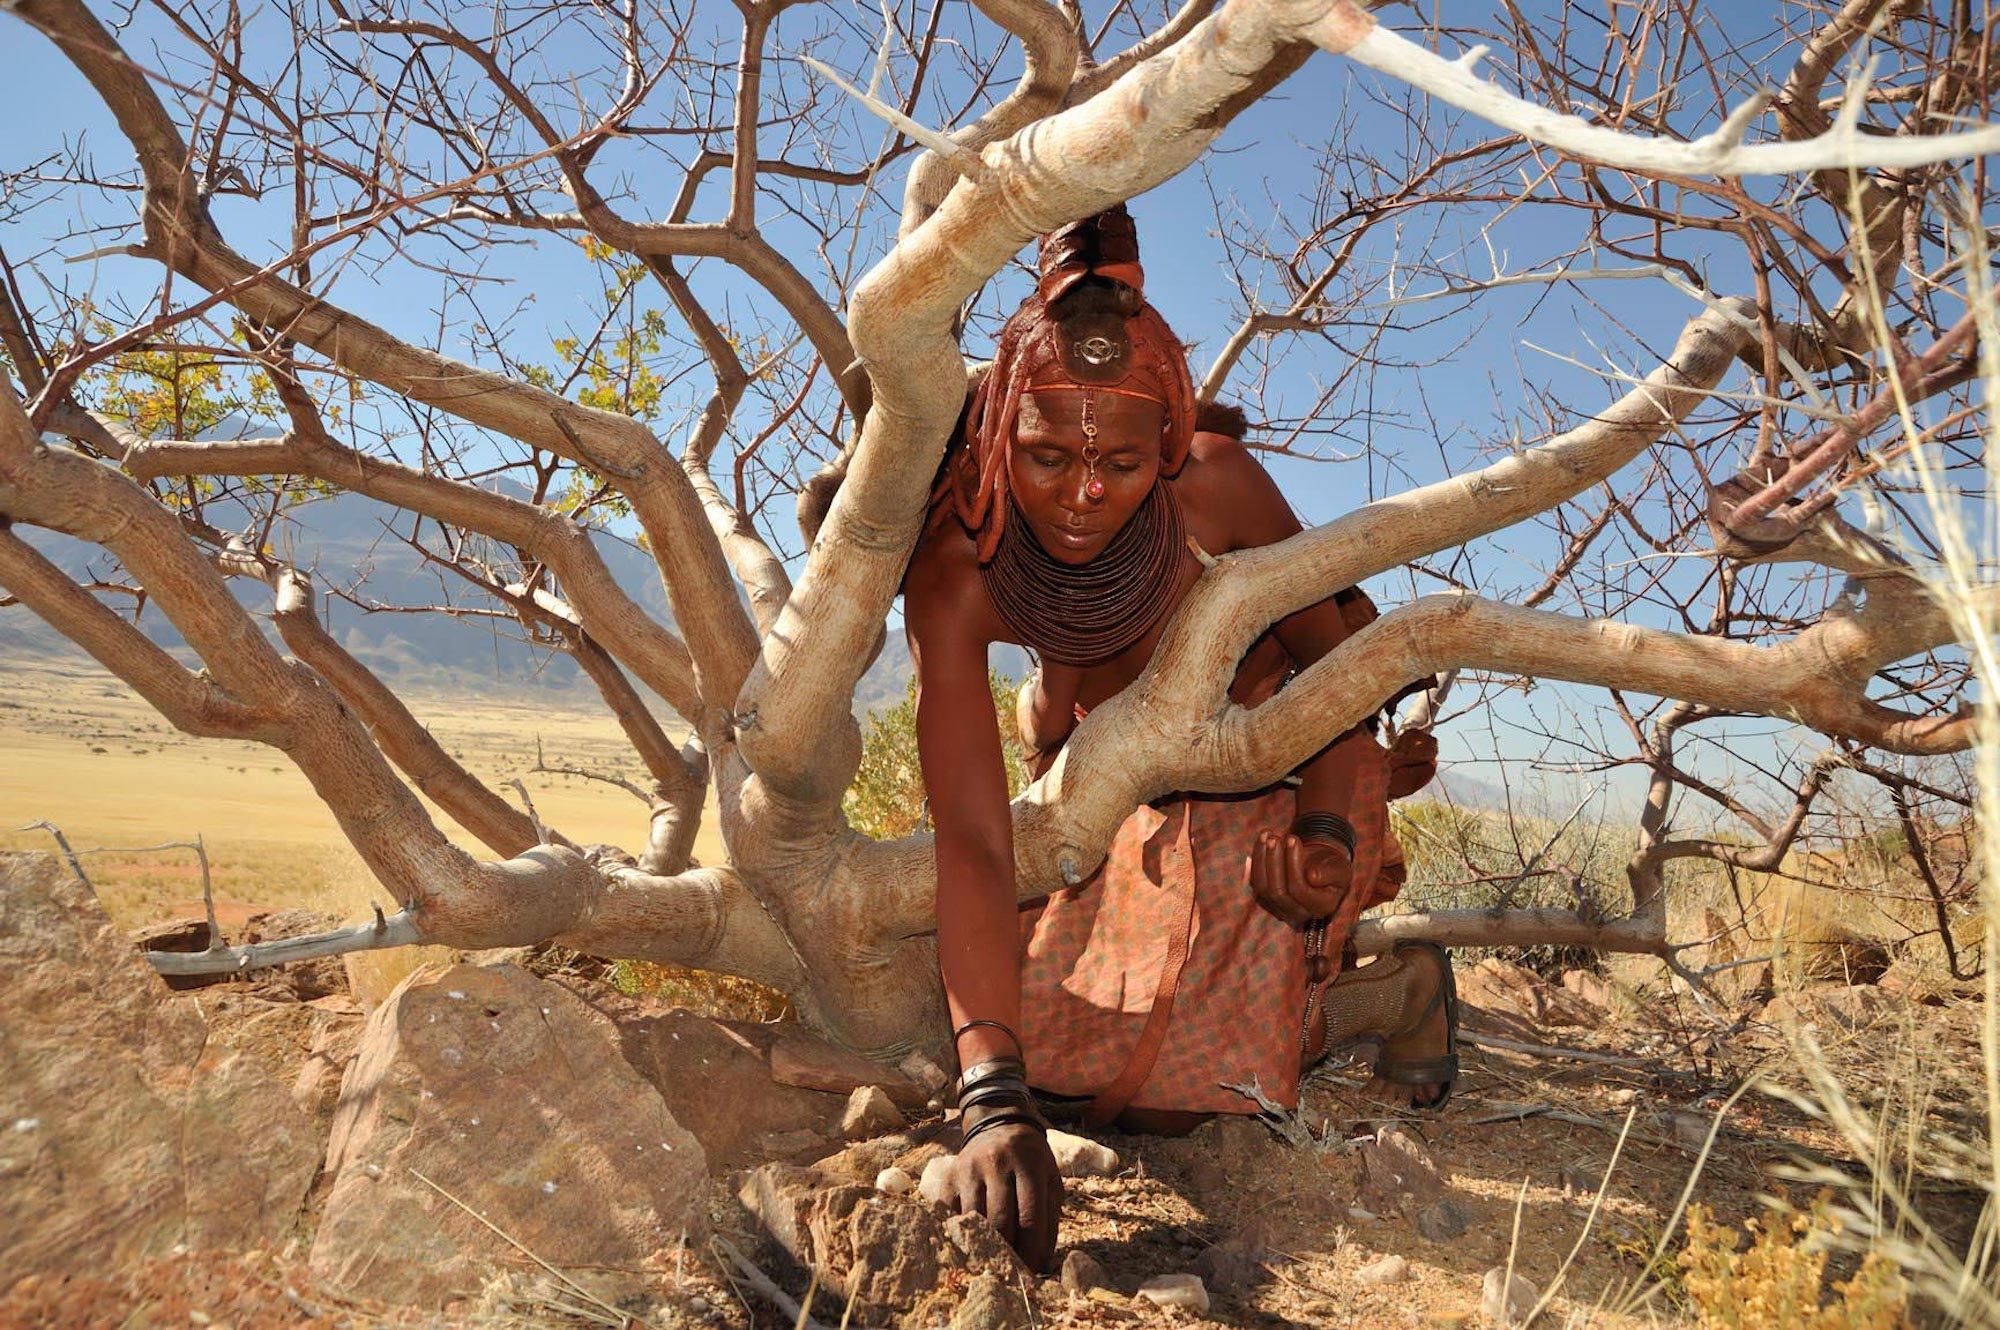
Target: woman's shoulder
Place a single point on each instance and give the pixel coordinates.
(1223, 481)
(941, 586)
(1216, 456)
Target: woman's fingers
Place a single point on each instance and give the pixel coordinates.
(1002, 1210)
(1314, 876)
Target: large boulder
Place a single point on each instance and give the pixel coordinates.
(484, 1101)
(750, 1091)
(715, 1076)
(127, 1127)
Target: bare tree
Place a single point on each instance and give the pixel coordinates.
(391, 145)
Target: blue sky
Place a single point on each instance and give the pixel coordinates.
(1474, 381)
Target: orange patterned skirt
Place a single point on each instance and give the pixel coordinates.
(1173, 899)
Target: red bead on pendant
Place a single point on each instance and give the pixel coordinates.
(1094, 488)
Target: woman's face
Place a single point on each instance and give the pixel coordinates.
(1052, 477)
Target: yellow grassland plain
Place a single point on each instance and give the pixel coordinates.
(79, 749)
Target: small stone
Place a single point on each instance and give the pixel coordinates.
(1396, 1173)
(1082, 1272)
(1185, 1291)
(1443, 1220)
(1505, 1299)
(1361, 1214)
(870, 1112)
(990, 1305)
(1689, 1128)
(935, 1185)
(1390, 1269)
(894, 1182)
(1578, 1181)
(1623, 1096)
(1081, 1157)
(1591, 988)
(200, 1318)
(924, 1072)
(1236, 1264)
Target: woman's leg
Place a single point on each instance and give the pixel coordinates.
(1406, 1003)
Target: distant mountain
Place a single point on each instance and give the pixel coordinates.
(346, 541)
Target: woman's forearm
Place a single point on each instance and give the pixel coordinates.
(1328, 783)
(979, 947)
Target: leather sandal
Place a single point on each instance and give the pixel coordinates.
(1394, 1003)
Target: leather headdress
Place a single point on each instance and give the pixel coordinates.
(1086, 325)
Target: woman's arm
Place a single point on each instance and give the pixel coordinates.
(1005, 1171)
(958, 746)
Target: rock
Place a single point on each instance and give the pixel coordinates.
(975, 1239)
(1851, 1009)
(1506, 1300)
(893, 1181)
(990, 1305)
(1235, 1265)
(1184, 1291)
(1587, 987)
(1577, 1180)
(801, 1058)
(1443, 1220)
(935, 1185)
(881, 1253)
(870, 1112)
(1081, 1157)
(1082, 1272)
(884, 1253)
(508, 1093)
(715, 1077)
(1397, 1175)
(926, 1073)
(1391, 1269)
(1513, 1001)
(132, 1126)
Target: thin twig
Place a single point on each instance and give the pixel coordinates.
(764, 1284)
(618, 1318)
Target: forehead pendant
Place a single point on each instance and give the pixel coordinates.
(1093, 488)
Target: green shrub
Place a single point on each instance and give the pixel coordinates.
(887, 799)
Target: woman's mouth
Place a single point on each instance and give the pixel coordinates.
(1074, 537)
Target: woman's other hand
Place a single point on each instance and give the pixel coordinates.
(1009, 1175)
(1299, 880)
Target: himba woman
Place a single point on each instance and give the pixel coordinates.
(1196, 958)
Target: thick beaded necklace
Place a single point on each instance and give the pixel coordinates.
(1085, 614)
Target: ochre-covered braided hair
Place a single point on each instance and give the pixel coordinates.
(1087, 325)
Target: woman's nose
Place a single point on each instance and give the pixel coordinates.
(1085, 493)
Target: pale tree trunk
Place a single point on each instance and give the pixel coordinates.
(764, 682)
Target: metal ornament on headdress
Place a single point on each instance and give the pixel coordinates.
(1093, 488)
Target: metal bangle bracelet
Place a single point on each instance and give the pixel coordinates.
(1327, 828)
